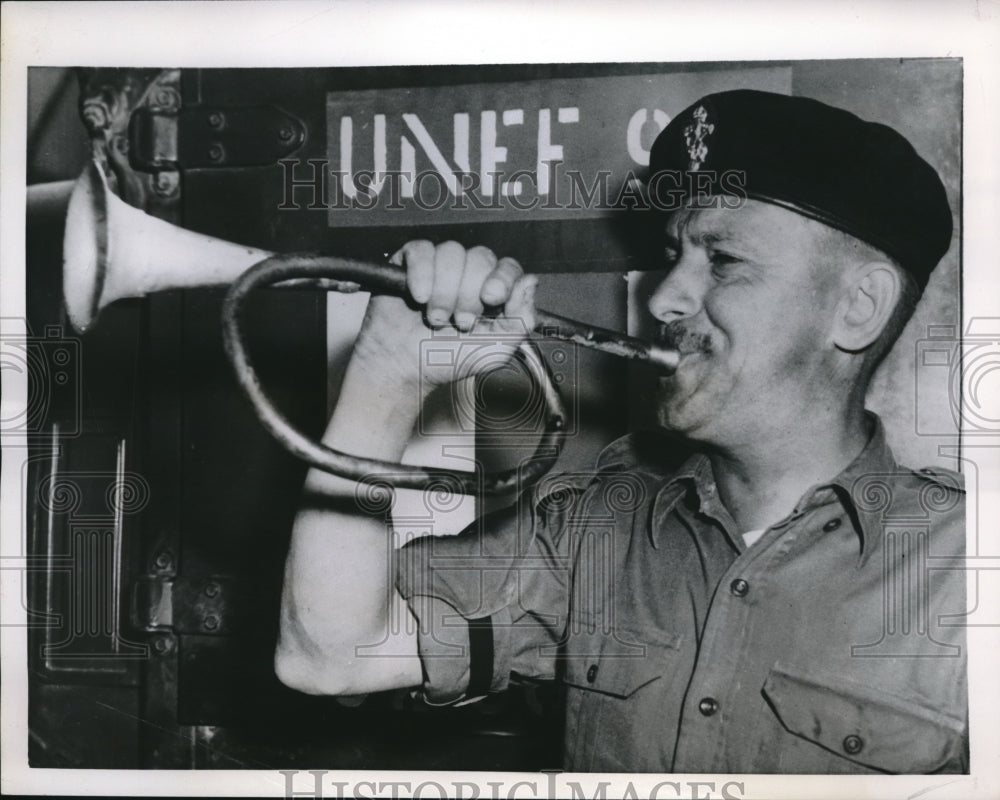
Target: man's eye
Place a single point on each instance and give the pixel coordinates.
(723, 262)
(724, 258)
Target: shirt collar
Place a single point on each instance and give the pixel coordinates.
(850, 486)
(695, 473)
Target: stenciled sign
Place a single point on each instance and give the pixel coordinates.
(490, 152)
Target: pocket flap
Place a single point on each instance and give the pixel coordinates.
(619, 663)
(872, 728)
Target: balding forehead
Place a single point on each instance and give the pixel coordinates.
(755, 224)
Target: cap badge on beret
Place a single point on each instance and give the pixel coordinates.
(695, 134)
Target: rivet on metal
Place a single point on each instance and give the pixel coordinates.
(166, 183)
(163, 645)
(167, 99)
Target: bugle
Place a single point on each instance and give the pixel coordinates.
(113, 251)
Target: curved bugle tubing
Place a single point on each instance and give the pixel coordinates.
(349, 275)
(112, 251)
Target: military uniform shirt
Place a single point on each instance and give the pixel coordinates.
(835, 644)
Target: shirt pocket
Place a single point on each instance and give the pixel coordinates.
(856, 724)
(620, 662)
(617, 685)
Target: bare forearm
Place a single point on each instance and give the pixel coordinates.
(339, 593)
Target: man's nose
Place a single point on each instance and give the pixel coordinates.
(680, 294)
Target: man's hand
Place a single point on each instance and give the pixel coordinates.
(452, 287)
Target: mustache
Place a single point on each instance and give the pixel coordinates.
(677, 336)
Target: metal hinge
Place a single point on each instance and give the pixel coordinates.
(203, 605)
(201, 137)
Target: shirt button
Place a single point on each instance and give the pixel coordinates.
(592, 673)
(739, 587)
(853, 744)
(832, 525)
(708, 706)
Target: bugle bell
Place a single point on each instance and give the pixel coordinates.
(112, 250)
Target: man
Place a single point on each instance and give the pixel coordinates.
(765, 605)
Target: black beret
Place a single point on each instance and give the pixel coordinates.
(860, 177)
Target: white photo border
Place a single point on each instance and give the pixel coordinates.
(312, 34)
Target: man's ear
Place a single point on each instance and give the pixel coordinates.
(872, 291)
